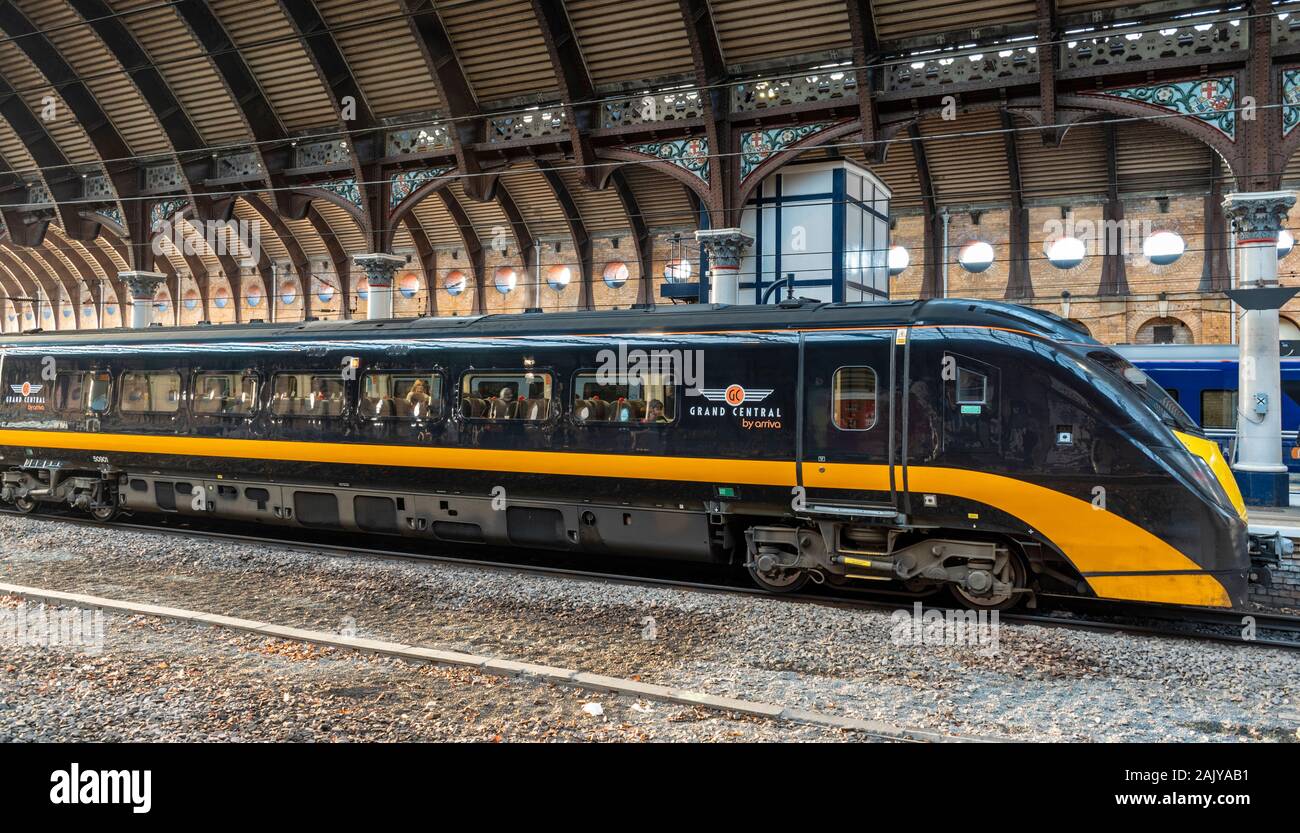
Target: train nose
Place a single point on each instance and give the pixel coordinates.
(1208, 450)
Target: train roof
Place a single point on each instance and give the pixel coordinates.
(1194, 352)
(799, 314)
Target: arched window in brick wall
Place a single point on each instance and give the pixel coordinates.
(1164, 331)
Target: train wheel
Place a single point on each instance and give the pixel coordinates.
(777, 580)
(25, 505)
(1013, 573)
(104, 514)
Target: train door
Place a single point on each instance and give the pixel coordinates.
(848, 452)
(953, 414)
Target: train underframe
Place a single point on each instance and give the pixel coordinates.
(781, 554)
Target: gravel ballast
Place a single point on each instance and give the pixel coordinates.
(1039, 683)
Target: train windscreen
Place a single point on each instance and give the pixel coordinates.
(1164, 405)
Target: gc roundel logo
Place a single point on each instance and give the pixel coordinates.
(27, 390)
(735, 395)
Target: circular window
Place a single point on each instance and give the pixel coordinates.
(408, 285)
(221, 298)
(28, 315)
(159, 303)
(191, 300)
(86, 312)
(1066, 252)
(558, 277)
(976, 257)
(67, 312)
(677, 270)
(455, 282)
(505, 279)
(325, 292)
(288, 293)
(616, 274)
(1285, 243)
(898, 259)
(363, 289)
(1163, 247)
(254, 295)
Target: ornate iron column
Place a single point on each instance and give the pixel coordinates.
(379, 274)
(144, 287)
(1257, 218)
(725, 247)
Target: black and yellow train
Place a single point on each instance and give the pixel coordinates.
(982, 446)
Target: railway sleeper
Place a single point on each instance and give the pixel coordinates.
(981, 573)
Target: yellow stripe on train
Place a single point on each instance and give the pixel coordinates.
(1095, 540)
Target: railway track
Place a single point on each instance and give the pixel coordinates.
(1206, 624)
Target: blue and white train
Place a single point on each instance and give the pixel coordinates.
(1203, 379)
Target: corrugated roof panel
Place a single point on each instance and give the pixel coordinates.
(500, 46)
(111, 251)
(201, 248)
(387, 62)
(1076, 168)
(1181, 163)
(14, 152)
(32, 88)
(601, 210)
(759, 30)
(663, 200)
(966, 168)
(345, 227)
(312, 245)
(536, 201)
(61, 240)
(188, 73)
(487, 218)
(283, 69)
(88, 56)
(613, 34)
(898, 171)
(437, 222)
(897, 19)
(275, 249)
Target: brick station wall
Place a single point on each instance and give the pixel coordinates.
(1113, 320)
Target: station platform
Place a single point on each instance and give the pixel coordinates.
(1284, 519)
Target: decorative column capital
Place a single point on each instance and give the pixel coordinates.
(143, 285)
(379, 267)
(725, 246)
(1258, 216)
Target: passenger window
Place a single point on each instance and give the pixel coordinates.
(972, 387)
(307, 395)
(1218, 409)
(853, 400)
(648, 398)
(155, 392)
(69, 392)
(502, 396)
(98, 395)
(401, 396)
(224, 394)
